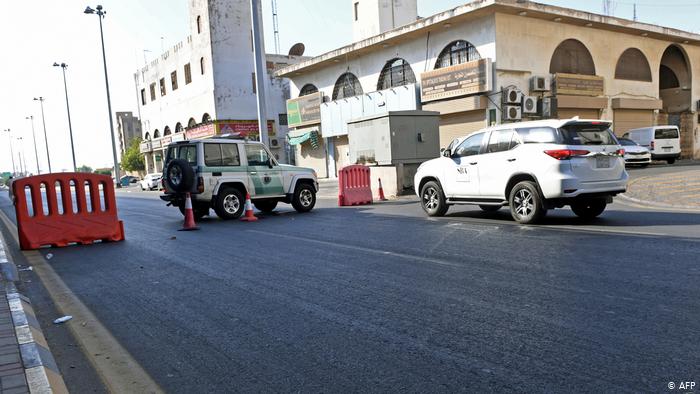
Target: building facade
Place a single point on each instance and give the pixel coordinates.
(495, 61)
(128, 129)
(205, 86)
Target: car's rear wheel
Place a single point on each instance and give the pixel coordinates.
(229, 203)
(490, 208)
(589, 209)
(266, 206)
(304, 198)
(433, 200)
(671, 161)
(526, 203)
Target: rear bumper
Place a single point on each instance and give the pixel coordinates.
(665, 156)
(573, 187)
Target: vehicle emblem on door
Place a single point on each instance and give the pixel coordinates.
(462, 170)
(267, 179)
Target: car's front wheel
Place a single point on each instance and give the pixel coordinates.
(304, 198)
(433, 200)
(589, 209)
(671, 161)
(526, 203)
(229, 203)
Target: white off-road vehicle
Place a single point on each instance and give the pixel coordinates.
(529, 166)
(218, 173)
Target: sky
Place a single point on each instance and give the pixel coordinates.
(35, 34)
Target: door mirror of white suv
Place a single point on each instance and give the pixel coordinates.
(447, 152)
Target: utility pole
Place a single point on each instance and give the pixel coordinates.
(260, 69)
(64, 66)
(22, 163)
(634, 12)
(275, 27)
(100, 14)
(46, 138)
(36, 154)
(12, 153)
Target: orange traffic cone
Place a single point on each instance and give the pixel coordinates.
(381, 191)
(189, 224)
(249, 215)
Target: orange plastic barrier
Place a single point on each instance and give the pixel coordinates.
(61, 211)
(354, 186)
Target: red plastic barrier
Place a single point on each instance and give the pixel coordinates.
(82, 218)
(354, 186)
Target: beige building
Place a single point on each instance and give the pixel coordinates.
(495, 61)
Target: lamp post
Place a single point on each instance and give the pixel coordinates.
(12, 153)
(36, 154)
(101, 14)
(22, 163)
(64, 66)
(46, 138)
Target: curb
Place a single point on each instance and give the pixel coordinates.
(654, 204)
(40, 368)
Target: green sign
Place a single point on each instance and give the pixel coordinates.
(304, 110)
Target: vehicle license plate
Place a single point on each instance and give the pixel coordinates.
(667, 148)
(602, 162)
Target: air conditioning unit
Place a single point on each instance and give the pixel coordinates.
(512, 112)
(274, 143)
(512, 95)
(530, 105)
(539, 84)
(547, 107)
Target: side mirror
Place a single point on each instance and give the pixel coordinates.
(270, 163)
(447, 152)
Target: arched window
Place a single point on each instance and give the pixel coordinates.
(457, 52)
(667, 78)
(199, 24)
(347, 85)
(308, 89)
(156, 134)
(191, 123)
(572, 57)
(147, 136)
(166, 131)
(201, 65)
(633, 65)
(396, 72)
(206, 118)
(178, 128)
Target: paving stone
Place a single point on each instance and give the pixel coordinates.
(9, 359)
(13, 381)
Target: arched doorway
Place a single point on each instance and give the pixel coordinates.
(675, 81)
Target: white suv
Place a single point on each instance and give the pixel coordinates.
(529, 166)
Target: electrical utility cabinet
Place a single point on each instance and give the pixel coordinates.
(395, 137)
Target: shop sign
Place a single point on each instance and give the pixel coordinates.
(304, 110)
(202, 131)
(459, 80)
(165, 141)
(157, 144)
(146, 147)
(243, 128)
(578, 85)
(178, 137)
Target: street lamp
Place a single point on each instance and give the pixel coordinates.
(64, 66)
(22, 163)
(101, 14)
(46, 138)
(36, 154)
(12, 153)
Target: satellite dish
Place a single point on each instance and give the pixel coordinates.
(297, 49)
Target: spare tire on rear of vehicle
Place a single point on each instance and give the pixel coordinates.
(179, 175)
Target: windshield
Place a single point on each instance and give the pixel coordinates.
(587, 134)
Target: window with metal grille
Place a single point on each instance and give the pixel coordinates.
(162, 86)
(457, 52)
(173, 80)
(153, 91)
(143, 96)
(572, 57)
(396, 72)
(633, 65)
(308, 89)
(347, 85)
(188, 74)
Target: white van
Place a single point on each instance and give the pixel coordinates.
(664, 142)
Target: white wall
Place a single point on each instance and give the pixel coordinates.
(377, 16)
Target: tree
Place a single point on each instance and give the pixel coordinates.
(132, 159)
(103, 171)
(84, 168)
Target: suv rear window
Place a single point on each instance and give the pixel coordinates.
(538, 135)
(189, 153)
(666, 133)
(587, 134)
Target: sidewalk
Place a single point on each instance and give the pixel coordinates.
(679, 190)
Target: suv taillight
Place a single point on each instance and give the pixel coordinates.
(200, 184)
(620, 152)
(565, 154)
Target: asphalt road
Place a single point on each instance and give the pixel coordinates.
(381, 298)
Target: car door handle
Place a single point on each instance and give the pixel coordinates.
(513, 159)
(253, 173)
(473, 163)
(216, 174)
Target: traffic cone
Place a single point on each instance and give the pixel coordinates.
(381, 191)
(249, 215)
(189, 224)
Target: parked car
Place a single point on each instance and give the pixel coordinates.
(218, 173)
(664, 142)
(128, 179)
(635, 154)
(530, 167)
(151, 181)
